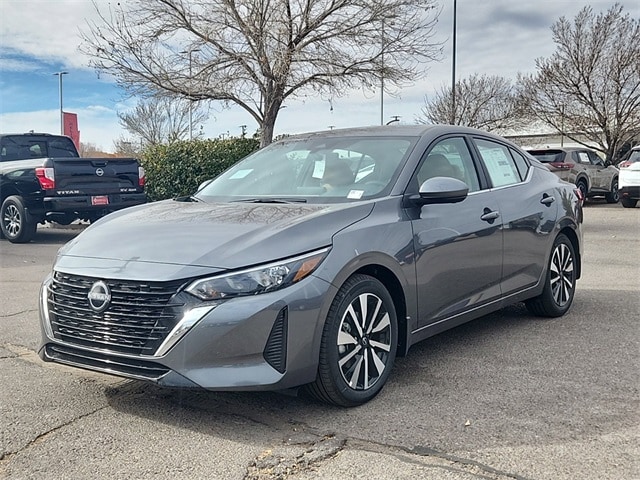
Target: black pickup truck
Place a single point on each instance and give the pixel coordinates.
(42, 178)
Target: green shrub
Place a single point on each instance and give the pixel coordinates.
(178, 169)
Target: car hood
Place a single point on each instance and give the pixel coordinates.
(213, 235)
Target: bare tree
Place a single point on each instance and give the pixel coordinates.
(89, 149)
(486, 102)
(258, 53)
(161, 119)
(590, 86)
(127, 147)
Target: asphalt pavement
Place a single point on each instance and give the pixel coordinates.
(507, 396)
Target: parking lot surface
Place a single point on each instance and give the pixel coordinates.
(508, 396)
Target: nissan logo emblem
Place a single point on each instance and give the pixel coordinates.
(99, 172)
(99, 296)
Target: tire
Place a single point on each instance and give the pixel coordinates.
(14, 222)
(560, 281)
(356, 354)
(584, 188)
(613, 196)
(629, 202)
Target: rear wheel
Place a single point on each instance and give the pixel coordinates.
(613, 196)
(358, 344)
(14, 223)
(560, 282)
(629, 202)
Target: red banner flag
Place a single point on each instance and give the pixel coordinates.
(71, 128)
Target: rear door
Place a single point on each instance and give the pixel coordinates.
(528, 206)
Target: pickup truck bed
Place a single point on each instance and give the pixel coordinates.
(61, 189)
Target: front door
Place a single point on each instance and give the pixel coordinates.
(458, 246)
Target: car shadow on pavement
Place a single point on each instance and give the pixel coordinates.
(438, 387)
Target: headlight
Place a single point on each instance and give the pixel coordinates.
(265, 278)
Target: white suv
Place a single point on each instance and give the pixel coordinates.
(629, 178)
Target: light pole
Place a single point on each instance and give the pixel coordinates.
(190, 52)
(453, 68)
(60, 74)
(382, 78)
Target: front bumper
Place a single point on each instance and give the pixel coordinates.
(263, 342)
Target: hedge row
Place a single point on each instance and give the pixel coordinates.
(177, 169)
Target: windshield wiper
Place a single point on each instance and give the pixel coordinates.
(187, 198)
(272, 200)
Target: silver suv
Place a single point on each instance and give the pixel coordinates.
(584, 168)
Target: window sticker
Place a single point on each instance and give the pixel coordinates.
(318, 169)
(355, 194)
(241, 174)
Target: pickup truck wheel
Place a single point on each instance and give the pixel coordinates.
(613, 196)
(629, 202)
(14, 223)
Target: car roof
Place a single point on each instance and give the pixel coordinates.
(395, 130)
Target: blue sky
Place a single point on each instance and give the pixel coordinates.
(40, 37)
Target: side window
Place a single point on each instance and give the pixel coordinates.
(521, 164)
(499, 163)
(595, 159)
(583, 157)
(449, 158)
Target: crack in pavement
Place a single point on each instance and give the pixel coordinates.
(430, 452)
(308, 448)
(6, 457)
(7, 315)
(287, 460)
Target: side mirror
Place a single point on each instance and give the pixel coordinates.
(440, 190)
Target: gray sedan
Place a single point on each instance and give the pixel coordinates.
(315, 262)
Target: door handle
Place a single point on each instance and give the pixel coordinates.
(547, 200)
(489, 215)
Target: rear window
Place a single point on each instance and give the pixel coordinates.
(547, 156)
(634, 157)
(21, 147)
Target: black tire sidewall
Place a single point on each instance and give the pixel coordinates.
(26, 230)
(356, 286)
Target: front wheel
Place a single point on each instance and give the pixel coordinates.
(613, 196)
(358, 345)
(582, 186)
(629, 202)
(560, 281)
(14, 223)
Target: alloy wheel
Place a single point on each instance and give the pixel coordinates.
(562, 275)
(12, 220)
(364, 341)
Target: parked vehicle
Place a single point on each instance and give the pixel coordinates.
(629, 180)
(305, 265)
(584, 168)
(43, 179)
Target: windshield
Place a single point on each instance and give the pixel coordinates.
(317, 169)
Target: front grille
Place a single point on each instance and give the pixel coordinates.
(139, 317)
